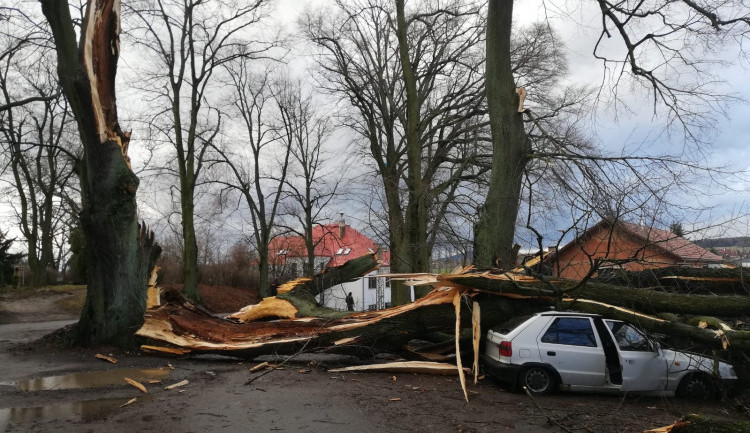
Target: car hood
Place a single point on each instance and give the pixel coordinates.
(679, 361)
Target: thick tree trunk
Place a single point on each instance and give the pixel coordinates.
(301, 323)
(119, 253)
(263, 265)
(190, 247)
(416, 208)
(495, 231)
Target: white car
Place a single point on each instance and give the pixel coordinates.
(586, 352)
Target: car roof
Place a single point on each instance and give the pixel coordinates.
(567, 313)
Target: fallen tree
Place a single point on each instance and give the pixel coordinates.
(293, 321)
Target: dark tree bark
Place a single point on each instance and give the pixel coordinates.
(120, 253)
(495, 231)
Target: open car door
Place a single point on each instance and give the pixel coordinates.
(644, 367)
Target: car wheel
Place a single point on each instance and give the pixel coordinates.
(538, 380)
(696, 386)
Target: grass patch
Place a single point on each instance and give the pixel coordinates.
(73, 304)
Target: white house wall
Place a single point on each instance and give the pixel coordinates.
(364, 297)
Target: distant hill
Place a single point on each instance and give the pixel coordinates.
(741, 241)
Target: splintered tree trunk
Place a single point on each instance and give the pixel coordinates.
(495, 231)
(293, 321)
(120, 254)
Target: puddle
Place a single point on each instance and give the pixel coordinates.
(92, 379)
(78, 410)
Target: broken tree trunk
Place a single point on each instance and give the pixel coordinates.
(120, 252)
(304, 325)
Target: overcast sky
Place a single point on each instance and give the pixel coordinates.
(615, 131)
(619, 131)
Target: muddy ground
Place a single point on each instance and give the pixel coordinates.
(302, 396)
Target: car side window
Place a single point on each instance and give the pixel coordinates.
(574, 331)
(629, 338)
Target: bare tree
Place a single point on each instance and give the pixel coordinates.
(412, 76)
(42, 171)
(190, 42)
(314, 178)
(39, 152)
(256, 164)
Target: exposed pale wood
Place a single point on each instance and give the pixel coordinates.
(272, 307)
(461, 376)
(476, 336)
(402, 367)
(106, 358)
(521, 91)
(136, 384)
(176, 385)
(166, 350)
(260, 366)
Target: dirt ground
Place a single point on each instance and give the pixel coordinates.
(40, 392)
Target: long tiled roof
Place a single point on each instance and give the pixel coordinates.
(670, 243)
(329, 242)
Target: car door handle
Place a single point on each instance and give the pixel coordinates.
(551, 353)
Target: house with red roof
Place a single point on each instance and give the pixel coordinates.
(335, 244)
(623, 245)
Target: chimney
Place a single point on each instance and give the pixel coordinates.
(342, 226)
(552, 249)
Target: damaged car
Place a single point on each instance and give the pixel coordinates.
(555, 350)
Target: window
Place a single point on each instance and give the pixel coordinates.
(574, 331)
(371, 307)
(372, 283)
(387, 283)
(347, 251)
(339, 251)
(293, 269)
(629, 338)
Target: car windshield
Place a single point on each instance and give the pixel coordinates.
(628, 338)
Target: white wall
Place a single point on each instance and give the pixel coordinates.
(364, 297)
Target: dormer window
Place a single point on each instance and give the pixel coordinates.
(347, 251)
(283, 251)
(340, 251)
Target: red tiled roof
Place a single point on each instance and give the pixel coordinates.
(329, 243)
(671, 243)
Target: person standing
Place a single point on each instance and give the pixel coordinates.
(350, 302)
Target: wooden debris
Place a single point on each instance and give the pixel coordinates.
(260, 366)
(136, 384)
(394, 399)
(272, 307)
(176, 385)
(401, 367)
(165, 350)
(129, 402)
(106, 358)
(459, 367)
(476, 336)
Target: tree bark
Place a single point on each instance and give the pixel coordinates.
(416, 208)
(495, 231)
(299, 323)
(120, 254)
